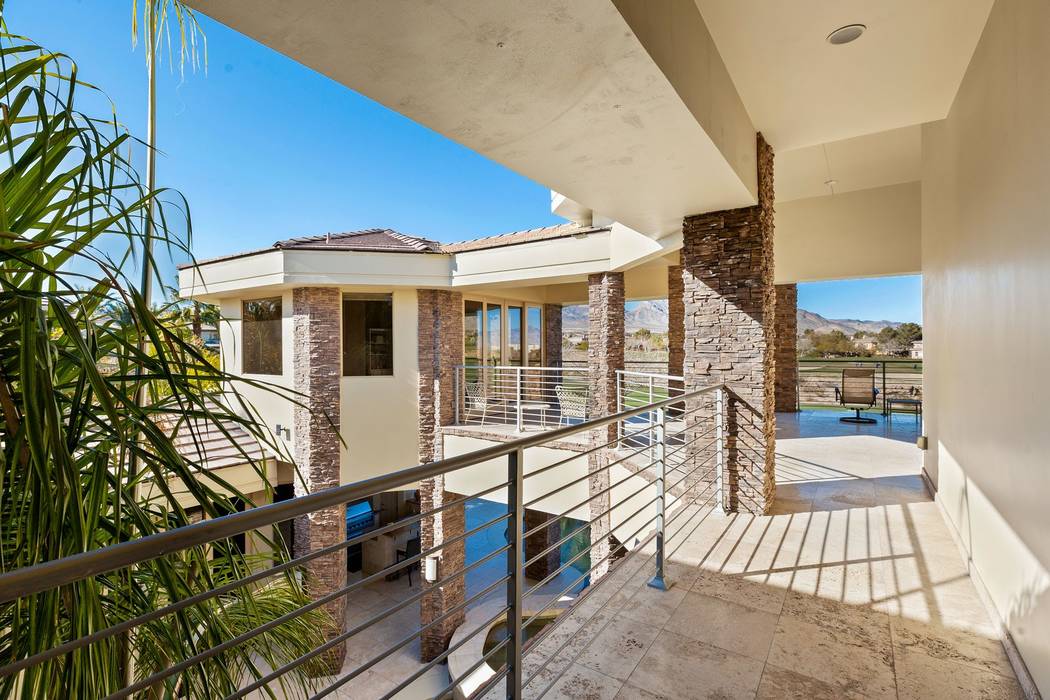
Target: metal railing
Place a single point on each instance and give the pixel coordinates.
(525, 397)
(895, 378)
(677, 471)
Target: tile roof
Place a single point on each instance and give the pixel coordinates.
(516, 237)
(385, 240)
(211, 445)
(382, 240)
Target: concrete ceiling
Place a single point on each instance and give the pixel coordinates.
(800, 90)
(563, 92)
(863, 162)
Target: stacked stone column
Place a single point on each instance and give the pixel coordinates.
(730, 302)
(546, 537)
(316, 319)
(605, 355)
(440, 334)
(787, 348)
(675, 329)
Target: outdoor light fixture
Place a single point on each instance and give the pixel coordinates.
(844, 35)
(430, 568)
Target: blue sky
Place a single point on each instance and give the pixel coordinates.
(264, 149)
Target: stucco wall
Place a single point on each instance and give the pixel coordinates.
(488, 474)
(986, 267)
(865, 233)
(377, 414)
(272, 408)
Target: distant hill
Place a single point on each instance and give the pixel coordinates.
(653, 316)
(808, 320)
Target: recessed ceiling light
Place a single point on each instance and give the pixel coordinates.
(844, 35)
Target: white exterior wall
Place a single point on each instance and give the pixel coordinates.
(273, 408)
(377, 414)
(866, 233)
(488, 474)
(986, 253)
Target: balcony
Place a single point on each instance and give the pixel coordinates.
(851, 587)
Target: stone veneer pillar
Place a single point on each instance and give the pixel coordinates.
(605, 341)
(552, 339)
(727, 259)
(316, 370)
(536, 543)
(440, 349)
(787, 348)
(675, 328)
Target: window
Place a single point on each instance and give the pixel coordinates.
(514, 337)
(473, 320)
(494, 315)
(534, 336)
(368, 335)
(261, 330)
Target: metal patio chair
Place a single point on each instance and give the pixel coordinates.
(858, 392)
(477, 399)
(571, 404)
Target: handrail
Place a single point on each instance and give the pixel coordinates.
(514, 367)
(872, 360)
(49, 575)
(654, 375)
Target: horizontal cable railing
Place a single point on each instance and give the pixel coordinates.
(605, 505)
(524, 397)
(895, 379)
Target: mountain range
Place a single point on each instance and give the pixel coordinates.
(652, 315)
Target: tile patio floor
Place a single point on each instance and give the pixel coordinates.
(854, 588)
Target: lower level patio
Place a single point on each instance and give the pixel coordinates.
(853, 588)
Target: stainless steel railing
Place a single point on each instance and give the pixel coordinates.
(524, 397)
(895, 378)
(634, 491)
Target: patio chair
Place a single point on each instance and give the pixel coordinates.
(571, 404)
(477, 399)
(858, 392)
(411, 549)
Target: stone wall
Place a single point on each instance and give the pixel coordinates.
(605, 342)
(440, 335)
(316, 370)
(552, 334)
(605, 348)
(534, 544)
(675, 327)
(730, 302)
(787, 348)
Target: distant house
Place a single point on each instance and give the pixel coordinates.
(916, 350)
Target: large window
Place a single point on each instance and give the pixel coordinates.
(514, 336)
(368, 335)
(494, 335)
(261, 330)
(497, 333)
(534, 336)
(473, 330)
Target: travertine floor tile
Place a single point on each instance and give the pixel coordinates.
(682, 668)
(922, 677)
(725, 624)
(619, 647)
(855, 658)
(779, 683)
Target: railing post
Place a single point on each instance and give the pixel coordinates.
(457, 390)
(515, 570)
(659, 580)
(720, 439)
(884, 411)
(619, 405)
(517, 396)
